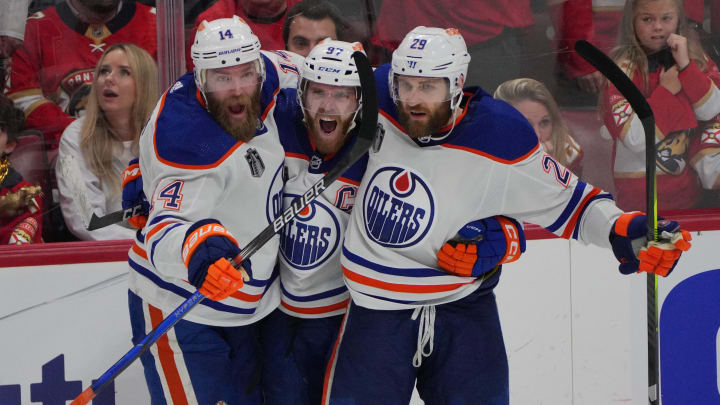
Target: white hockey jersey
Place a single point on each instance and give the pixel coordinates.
(193, 170)
(310, 276)
(415, 196)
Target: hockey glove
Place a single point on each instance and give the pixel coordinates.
(206, 249)
(481, 245)
(133, 195)
(630, 245)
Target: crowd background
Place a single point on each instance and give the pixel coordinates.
(50, 62)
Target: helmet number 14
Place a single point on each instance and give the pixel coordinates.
(226, 34)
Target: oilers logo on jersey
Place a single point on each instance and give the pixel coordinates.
(398, 207)
(311, 237)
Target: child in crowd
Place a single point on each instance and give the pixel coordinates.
(678, 79)
(20, 202)
(96, 148)
(535, 102)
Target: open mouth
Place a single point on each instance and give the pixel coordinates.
(327, 126)
(236, 109)
(418, 114)
(109, 93)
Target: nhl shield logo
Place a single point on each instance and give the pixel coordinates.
(257, 167)
(379, 135)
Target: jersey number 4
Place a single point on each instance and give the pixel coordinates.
(171, 195)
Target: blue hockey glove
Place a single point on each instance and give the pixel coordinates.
(133, 195)
(481, 245)
(629, 243)
(206, 250)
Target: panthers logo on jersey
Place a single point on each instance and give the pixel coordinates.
(672, 153)
(311, 237)
(398, 207)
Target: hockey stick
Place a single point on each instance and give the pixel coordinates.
(363, 141)
(97, 222)
(639, 104)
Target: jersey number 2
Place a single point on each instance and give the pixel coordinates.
(562, 175)
(171, 195)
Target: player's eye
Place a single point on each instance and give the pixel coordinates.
(545, 123)
(125, 72)
(104, 71)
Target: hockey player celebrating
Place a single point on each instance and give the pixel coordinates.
(421, 308)
(317, 128)
(212, 167)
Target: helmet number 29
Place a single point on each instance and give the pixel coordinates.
(418, 43)
(226, 34)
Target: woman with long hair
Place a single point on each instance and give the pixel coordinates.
(96, 148)
(668, 65)
(535, 102)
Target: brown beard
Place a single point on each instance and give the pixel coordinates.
(438, 119)
(321, 144)
(245, 130)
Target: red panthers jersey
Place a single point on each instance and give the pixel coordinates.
(51, 74)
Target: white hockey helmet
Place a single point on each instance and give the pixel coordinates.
(331, 63)
(432, 52)
(223, 43)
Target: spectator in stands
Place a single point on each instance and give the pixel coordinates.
(678, 80)
(535, 102)
(309, 22)
(493, 29)
(265, 17)
(95, 149)
(51, 73)
(20, 202)
(598, 22)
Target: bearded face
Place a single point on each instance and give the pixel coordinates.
(329, 112)
(425, 119)
(423, 104)
(237, 114)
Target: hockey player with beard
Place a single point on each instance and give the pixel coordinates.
(422, 309)
(317, 125)
(212, 166)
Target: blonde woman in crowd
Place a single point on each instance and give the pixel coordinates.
(535, 102)
(95, 149)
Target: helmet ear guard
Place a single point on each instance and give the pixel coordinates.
(224, 42)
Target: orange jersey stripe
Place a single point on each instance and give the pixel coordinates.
(167, 361)
(571, 225)
(317, 310)
(157, 229)
(406, 288)
(139, 251)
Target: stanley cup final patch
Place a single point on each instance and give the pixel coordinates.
(379, 135)
(257, 167)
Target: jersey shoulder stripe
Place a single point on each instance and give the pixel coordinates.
(494, 129)
(186, 136)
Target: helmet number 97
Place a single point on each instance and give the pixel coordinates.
(226, 34)
(331, 49)
(418, 43)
